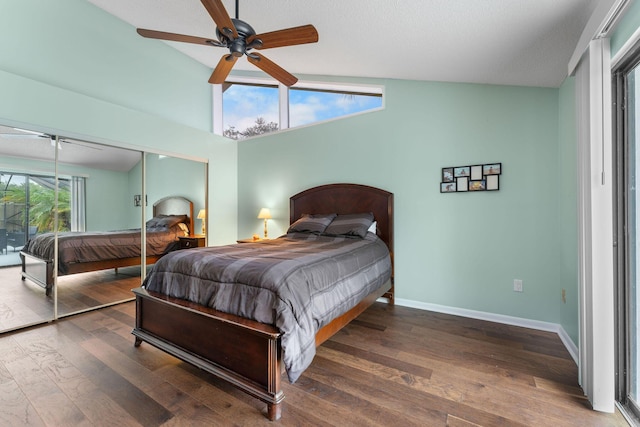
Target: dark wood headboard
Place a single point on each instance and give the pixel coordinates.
(175, 205)
(346, 199)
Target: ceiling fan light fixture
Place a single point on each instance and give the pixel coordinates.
(238, 47)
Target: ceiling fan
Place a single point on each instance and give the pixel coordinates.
(239, 37)
(23, 134)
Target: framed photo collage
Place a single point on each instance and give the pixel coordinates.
(461, 179)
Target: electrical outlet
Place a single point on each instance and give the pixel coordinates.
(517, 285)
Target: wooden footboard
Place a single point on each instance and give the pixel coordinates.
(40, 271)
(245, 353)
(37, 270)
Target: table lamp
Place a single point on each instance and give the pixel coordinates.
(203, 216)
(264, 214)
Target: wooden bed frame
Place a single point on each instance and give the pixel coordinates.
(40, 271)
(245, 353)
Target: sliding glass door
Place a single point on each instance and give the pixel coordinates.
(26, 209)
(627, 140)
(13, 213)
(27, 191)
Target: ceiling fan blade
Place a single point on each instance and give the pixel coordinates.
(220, 17)
(153, 34)
(287, 37)
(223, 69)
(21, 136)
(273, 69)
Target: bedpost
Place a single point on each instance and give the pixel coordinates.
(274, 411)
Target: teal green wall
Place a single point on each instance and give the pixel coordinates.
(458, 250)
(106, 198)
(568, 207)
(89, 75)
(73, 45)
(67, 67)
(626, 27)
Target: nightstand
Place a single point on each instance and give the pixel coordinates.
(251, 240)
(187, 242)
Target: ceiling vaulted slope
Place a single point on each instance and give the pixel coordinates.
(506, 42)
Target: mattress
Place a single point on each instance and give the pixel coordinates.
(298, 282)
(81, 247)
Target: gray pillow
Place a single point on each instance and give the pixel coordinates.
(350, 225)
(166, 221)
(311, 223)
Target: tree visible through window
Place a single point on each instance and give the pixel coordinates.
(251, 109)
(27, 201)
(258, 128)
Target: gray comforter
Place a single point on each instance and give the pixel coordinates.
(78, 247)
(298, 282)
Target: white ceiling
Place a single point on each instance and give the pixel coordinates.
(22, 144)
(510, 42)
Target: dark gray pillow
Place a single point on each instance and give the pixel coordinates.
(311, 223)
(166, 221)
(350, 225)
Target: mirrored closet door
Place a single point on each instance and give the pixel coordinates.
(106, 203)
(171, 177)
(27, 184)
(96, 197)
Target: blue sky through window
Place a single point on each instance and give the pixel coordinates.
(243, 104)
(306, 106)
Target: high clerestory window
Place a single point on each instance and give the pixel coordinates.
(246, 107)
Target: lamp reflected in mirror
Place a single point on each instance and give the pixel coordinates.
(203, 216)
(264, 214)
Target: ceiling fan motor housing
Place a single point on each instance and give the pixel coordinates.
(238, 46)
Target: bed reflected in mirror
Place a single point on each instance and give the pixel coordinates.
(171, 177)
(101, 218)
(99, 238)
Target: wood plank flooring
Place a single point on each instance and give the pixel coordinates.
(22, 302)
(393, 366)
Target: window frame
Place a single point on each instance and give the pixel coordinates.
(283, 98)
(623, 227)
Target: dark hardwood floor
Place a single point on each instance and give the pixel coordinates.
(393, 366)
(22, 302)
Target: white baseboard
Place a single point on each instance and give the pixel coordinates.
(498, 318)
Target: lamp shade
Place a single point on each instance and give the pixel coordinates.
(264, 213)
(202, 214)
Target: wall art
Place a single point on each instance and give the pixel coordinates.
(462, 179)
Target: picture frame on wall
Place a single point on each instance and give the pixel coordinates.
(473, 178)
(476, 172)
(492, 169)
(493, 182)
(447, 175)
(478, 185)
(462, 183)
(462, 171)
(448, 187)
